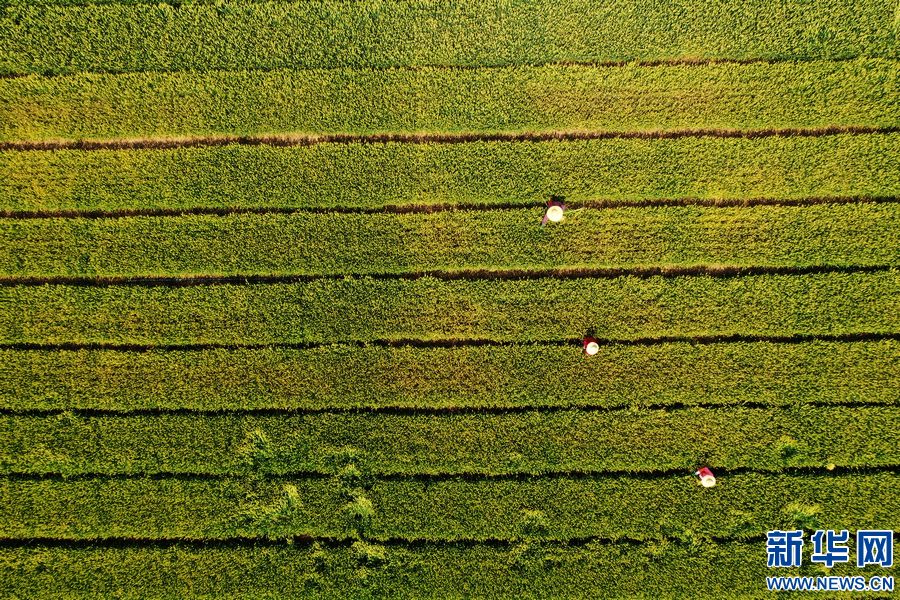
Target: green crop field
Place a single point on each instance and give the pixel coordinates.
(280, 316)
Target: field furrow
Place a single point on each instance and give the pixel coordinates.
(426, 308)
(479, 443)
(346, 506)
(201, 36)
(863, 92)
(373, 176)
(337, 244)
(288, 140)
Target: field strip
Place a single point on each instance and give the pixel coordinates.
(431, 309)
(684, 61)
(290, 140)
(595, 204)
(440, 105)
(784, 372)
(175, 4)
(345, 507)
(325, 569)
(199, 36)
(463, 244)
(525, 442)
(305, 542)
(373, 176)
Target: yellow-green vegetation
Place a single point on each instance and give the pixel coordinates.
(527, 569)
(573, 507)
(455, 241)
(372, 176)
(279, 317)
(364, 309)
(341, 377)
(513, 99)
(483, 443)
(65, 37)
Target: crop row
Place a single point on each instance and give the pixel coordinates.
(343, 377)
(175, 4)
(200, 36)
(558, 508)
(336, 243)
(366, 570)
(365, 309)
(377, 175)
(481, 443)
(513, 99)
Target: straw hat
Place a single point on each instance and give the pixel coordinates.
(555, 213)
(708, 481)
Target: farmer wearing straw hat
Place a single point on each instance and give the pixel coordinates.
(554, 212)
(707, 479)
